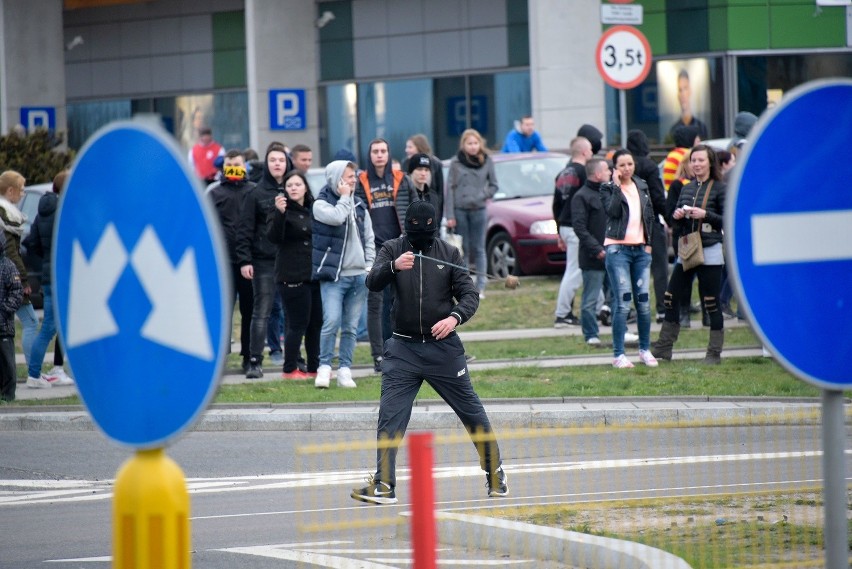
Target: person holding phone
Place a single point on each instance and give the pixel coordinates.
(343, 252)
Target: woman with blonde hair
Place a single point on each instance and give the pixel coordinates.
(471, 182)
(12, 223)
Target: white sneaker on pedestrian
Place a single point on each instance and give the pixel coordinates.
(648, 358)
(631, 337)
(593, 341)
(621, 362)
(323, 377)
(344, 378)
(38, 383)
(57, 376)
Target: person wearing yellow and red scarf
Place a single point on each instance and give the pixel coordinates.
(228, 195)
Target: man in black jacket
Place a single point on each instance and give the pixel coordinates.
(431, 298)
(255, 253)
(589, 221)
(228, 196)
(637, 144)
(568, 181)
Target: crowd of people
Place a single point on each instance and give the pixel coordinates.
(614, 214)
(317, 259)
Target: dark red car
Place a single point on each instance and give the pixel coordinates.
(522, 235)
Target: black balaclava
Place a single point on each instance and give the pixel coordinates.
(420, 225)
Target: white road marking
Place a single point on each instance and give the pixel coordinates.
(59, 491)
(802, 237)
(462, 562)
(102, 559)
(332, 561)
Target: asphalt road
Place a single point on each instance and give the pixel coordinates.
(253, 494)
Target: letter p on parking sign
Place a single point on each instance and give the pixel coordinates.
(287, 109)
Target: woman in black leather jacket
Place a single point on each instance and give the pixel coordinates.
(630, 216)
(692, 215)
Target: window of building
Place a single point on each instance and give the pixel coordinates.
(441, 108)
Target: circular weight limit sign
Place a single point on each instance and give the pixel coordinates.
(623, 57)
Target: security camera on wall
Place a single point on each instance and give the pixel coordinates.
(323, 20)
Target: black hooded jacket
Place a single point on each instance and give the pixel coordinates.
(593, 135)
(252, 243)
(40, 240)
(427, 293)
(228, 198)
(637, 144)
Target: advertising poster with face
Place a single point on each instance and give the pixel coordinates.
(683, 88)
(193, 112)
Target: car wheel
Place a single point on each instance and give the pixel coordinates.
(502, 258)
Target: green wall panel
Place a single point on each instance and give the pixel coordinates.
(653, 6)
(799, 27)
(687, 26)
(337, 60)
(748, 27)
(518, 30)
(229, 69)
(229, 49)
(717, 28)
(654, 28)
(229, 30)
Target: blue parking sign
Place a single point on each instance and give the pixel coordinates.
(287, 109)
(141, 285)
(38, 117)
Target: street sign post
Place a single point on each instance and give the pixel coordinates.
(623, 57)
(788, 226)
(141, 296)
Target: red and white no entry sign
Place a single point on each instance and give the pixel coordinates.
(623, 57)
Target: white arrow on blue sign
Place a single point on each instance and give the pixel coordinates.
(140, 285)
(788, 225)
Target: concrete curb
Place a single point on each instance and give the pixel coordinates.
(436, 416)
(548, 544)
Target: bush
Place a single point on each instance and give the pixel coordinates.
(34, 155)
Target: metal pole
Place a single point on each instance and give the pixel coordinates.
(834, 480)
(622, 116)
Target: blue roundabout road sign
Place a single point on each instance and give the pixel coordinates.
(141, 286)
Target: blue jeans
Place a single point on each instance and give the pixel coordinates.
(29, 328)
(276, 324)
(263, 287)
(628, 267)
(45, 335)
(471, 225)
(592, 291)
(342, 303)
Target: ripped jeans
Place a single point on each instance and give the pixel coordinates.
(628, 268)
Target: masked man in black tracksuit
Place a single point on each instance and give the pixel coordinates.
(431, 298)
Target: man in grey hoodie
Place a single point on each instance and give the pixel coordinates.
(343, 252)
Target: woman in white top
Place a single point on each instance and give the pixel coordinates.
(630, 216)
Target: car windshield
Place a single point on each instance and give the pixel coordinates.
(527, 178)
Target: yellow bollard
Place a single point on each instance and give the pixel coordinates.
(150, 525)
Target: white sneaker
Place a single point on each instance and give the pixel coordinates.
(344, 378)
(323, 377)
(38, 383)
(648, 358)
(621, 362)
(593, 341)
(57, 376)
(631, 337)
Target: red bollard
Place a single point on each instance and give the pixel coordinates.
(423, 530)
